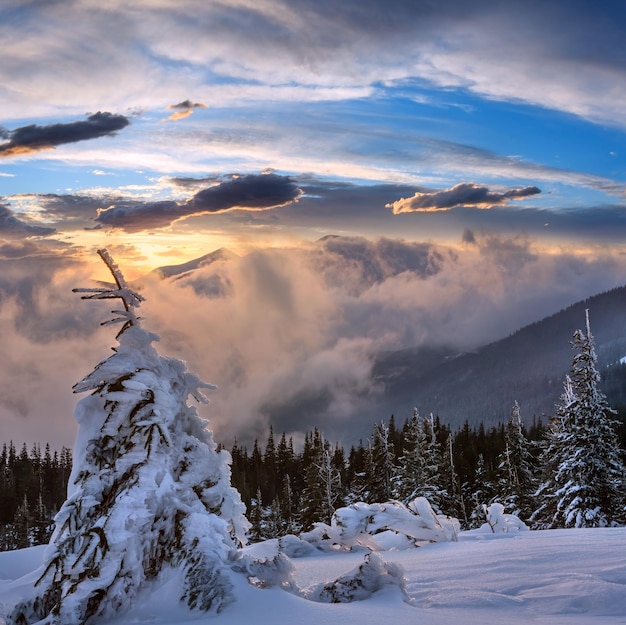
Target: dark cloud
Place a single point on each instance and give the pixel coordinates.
(468, 237)
(77, 207)
(249, 192)
(187, 104)
(252, 192)
(33, 138)
(11, 226)
(364, 262)
(184, 109)
(186, 182)
(465, 194)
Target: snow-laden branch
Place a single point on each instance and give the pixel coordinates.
(119, 290)
(357, 525)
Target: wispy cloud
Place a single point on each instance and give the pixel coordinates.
(465, 194)
(34, 138)
(183, 109)
(302, 48)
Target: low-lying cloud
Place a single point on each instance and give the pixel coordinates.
(34, 138)
(252, 192)
(290, 336)
(465, 194)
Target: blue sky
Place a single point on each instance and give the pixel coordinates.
(490, 131)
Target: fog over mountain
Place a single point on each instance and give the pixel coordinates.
(346, 331)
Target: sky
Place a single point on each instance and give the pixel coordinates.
(383, 175)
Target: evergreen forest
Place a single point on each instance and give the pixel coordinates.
(286, 491)
(569, 472)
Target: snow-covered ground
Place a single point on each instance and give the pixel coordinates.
(554, 577)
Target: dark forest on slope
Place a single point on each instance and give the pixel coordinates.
(278, 484)
(529, 367)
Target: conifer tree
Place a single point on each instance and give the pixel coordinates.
(287, 507)
(359, 472)
(21, 525)
(585, 475)
(434, 487)
(318, 498)
(411, 471)
(383, 469)
(452, 499)
(255, 516)
(481, 494)
(149, 495)
(516, 483)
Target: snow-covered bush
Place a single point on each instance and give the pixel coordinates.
(500, 523)
(360, 583)
(358, 524)
(266, 565)
(149, 495)
(294, 547)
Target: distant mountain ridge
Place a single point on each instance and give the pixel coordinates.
(178, 271)
(529, 367)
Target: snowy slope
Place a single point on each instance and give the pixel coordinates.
(555, 577)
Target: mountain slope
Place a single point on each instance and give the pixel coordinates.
(528, 366)
(178, 271)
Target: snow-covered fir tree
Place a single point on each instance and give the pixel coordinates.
(383, 464)
(322, 484)
(480, 494)
(584, 474)
(149, 497)
(360, 469)
(410, 479)
(433, 489)
(516, 479)
(554, 453)
(452, 499)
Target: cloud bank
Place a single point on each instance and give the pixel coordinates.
(307, 49)
(465, 194)
(289, 335)
(34, 138)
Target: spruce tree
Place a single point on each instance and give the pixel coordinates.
(516, 479)
(452, 501)
(584, 473)
(383, 464)
(149, 496)
(480, 495)
(322, 483)
(411, 478)
(434, 488)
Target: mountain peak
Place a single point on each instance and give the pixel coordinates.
(170, 271)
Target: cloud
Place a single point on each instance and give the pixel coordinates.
(465, 194)
(298, 49)
(251, 192)
(183, 109)
(365, 262)
(292, 340)
(11, 226)
(34, 138)
(292, 337)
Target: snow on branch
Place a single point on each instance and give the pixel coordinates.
(119, 290)
(359, 523)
